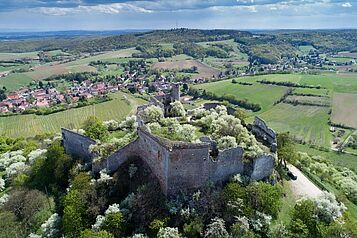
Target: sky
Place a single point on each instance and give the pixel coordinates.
(56, 15)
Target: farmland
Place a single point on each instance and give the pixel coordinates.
(40, 72)
(204, 71)
(30, 125)
(342, 110)
(305, 122)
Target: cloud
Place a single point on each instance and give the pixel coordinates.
(114, 8)
(346, 4)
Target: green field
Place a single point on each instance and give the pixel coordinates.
(265, 95)
(31, 125)
(13, 56)
(309, 123)
(15, 81)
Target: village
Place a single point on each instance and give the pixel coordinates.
(24, 99)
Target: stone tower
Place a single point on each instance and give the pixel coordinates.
(175, 92)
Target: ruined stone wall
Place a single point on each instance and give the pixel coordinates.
(262, 167)
(179, 166)
(77, 145)
(188, 167)
(228, 163)
(264, 133)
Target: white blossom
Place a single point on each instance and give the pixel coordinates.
(328, 208)
(168, 232)
(51, 227)
(98, 222)
(33, 155)
(16, 168)
(114, 208)
(216, 229)
(4, 199)
(104, 177)
(2, 184)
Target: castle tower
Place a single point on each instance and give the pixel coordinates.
(175, 92)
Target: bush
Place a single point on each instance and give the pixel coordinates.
(95, 129)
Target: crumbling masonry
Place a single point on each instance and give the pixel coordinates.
(179, 166)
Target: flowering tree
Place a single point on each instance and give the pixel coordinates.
(216, 229)
(152, 114)
(168, 232)
(177, 109)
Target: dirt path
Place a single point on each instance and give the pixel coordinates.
(302, 186)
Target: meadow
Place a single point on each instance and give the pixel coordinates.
(31, 125)
(344, 109)
(40, 72)
(308, 123)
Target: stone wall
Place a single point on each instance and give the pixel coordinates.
(264, 133)
(262, 167)
(77, 145)
(229, 162)
(179, 166)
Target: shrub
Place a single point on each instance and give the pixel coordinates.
(152, 114)
(216, 229)
(95, 129)
(168, 232)
(177, 109)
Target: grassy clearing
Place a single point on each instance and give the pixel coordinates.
(14, 56)
(344, 110)
(31, 125)
(104, 57)
(204, 71)
(265, 95)
(305, 49)
(15, 81)
(287, 206)
(308, 123)
(338, 159)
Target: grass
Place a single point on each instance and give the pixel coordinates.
(31, 125)
(338, 159)
(15, 81)
(344, 109)
(13, 56)
(104, 57)
(305, 49)
(287, 205)
(308, 123)
(265, 95)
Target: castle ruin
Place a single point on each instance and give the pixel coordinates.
(179, 166)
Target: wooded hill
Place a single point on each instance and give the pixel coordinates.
(266, 47)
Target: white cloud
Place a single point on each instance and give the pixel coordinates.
(114, 8)
(346, 4)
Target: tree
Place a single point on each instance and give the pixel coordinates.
(114, 223)
(9, 227)
(193, 228)
(152, 114)
(286, 149)
(74, 214)
(241, 114)
(298, 229)
(304, 219)
(177, 109)
(168, 232)
(95, 129)
(264, 197)
(95, 234)
(216, 229)
(52, 171)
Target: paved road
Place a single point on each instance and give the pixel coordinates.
(302, 186)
